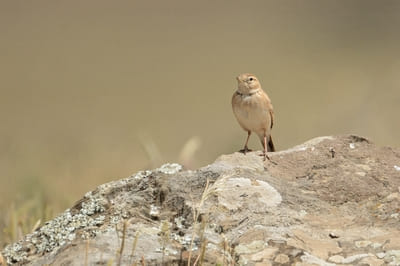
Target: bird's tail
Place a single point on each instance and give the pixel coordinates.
(270, 144)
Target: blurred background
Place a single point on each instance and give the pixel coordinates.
(93, 91)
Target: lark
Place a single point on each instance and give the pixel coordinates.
(254, 112)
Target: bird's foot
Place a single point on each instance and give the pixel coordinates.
(265, 157)
(245, 150)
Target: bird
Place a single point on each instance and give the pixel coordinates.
(254, 112)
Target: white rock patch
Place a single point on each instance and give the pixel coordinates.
(239, 192)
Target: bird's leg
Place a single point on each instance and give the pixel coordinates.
(264, 143)
(246, 149)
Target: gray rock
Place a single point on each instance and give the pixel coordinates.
(308, 205)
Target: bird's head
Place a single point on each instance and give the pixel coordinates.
(248, 83)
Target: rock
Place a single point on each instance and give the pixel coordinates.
(281, 258)
(264, 255)
(336, 259)
(254, 194)
(308, 259)
(376, 245)
(372, 261)
(381, 255)
(250, 248)
(320, 246)
(329, 201)
(392, 257)
(354, 258)
(362, 243)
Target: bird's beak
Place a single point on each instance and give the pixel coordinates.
(237, 78)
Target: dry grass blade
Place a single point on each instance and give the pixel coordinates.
(121, 250)
(134, 247)
(196, 211)
(22, 218)
(186, 155)
(200, 257)
(2, 262)
(151, 149)
(225, 243)
(20, 230)
(12, 228)
(87, 253)
(164, 237)
(36, 226)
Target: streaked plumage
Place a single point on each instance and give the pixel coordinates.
(253, 110)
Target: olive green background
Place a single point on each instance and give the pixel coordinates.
(94, 90)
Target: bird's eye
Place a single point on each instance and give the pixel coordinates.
(251, 79)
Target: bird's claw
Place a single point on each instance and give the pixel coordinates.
(245, 150)
(265, 157)
(264, 154)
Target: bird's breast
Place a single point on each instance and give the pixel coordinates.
(251, 112)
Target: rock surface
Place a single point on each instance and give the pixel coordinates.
(329, 201)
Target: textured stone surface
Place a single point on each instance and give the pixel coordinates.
(329, 201)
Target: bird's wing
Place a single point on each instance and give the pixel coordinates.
(269, 107)
(271, 112)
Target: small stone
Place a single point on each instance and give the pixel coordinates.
(243, 260)
(376, 245)
(264, 254)
(170, 168)
(282, 258)
(393, 257)
(333, 235)
(154, 211)
(355, 257)
(295, 252)
(393, 196)
(381, 255)
(302, 213)
(362, 243)
(254, 246)
(372, 261)
(336, 259)
(394, 215)
(309, 259)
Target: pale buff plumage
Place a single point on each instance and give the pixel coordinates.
(253, 110)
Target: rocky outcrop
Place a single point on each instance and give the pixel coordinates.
(329, 201)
